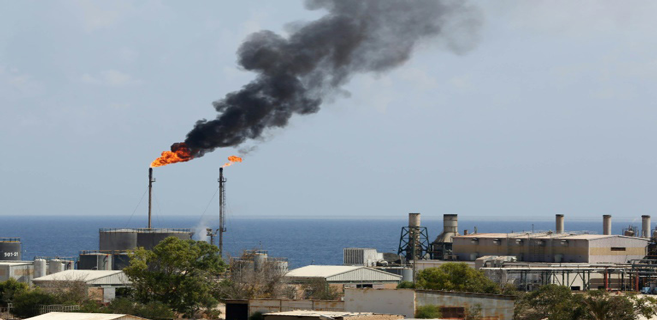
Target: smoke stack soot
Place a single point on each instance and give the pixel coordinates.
(295, 73)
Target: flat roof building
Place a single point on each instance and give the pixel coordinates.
(551, 247)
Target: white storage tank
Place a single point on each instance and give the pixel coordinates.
(55, 265)
(39, 268)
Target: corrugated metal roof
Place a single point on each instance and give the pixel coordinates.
(343, 273)
(84, 316)
(93, 277)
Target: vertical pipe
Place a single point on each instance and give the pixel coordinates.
(560, 224)
(606, 224)
(150, 194)
(645, 226)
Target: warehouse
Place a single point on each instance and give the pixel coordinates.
(551, 247)
(21, 271)
(101, 285)
(344, 276)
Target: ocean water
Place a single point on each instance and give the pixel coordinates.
(301, 241)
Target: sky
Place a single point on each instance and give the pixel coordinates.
(551, 111)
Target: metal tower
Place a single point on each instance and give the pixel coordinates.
(222, 205)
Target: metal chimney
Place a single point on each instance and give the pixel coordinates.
(559, 222)
(451, 223)
(413, 220)
(606, 224)
(645, 226)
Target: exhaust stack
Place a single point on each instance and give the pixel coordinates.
(560, 224)
(645, 226)
(150, 194)
(606, 224)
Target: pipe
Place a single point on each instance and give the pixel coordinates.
(645, 226)
(560, 223)
(150, 194)
(606, 224)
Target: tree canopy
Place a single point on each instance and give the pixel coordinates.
(179, 273)
(453, 276)
(555, 302)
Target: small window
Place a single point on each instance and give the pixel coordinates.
(617, 248)
(361, 286)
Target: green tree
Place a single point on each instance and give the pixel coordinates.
(26, 304)
(454, 276)
(319, 289)
(428, 312)
(551, 302)
(406, 285)
(9, 289)
(179, 273)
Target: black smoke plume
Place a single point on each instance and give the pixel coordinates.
(295, 73)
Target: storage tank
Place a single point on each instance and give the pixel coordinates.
(117, 239)
(10, 249)
(39, 268)
(120, 261)
(55, 265)
(95, 261)
(149, 238)
(259, 260)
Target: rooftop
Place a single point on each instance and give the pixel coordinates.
(545, 235)
(313, 313)
(320, 271)
(84, 316)
(87, 276)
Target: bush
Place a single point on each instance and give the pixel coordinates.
(406, 285)
(428, 312)
(256, 316)
(9, 289)
(26, 304)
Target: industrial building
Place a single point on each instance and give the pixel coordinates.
(551, 247)
(323, 315)
(453, 305)
(84, 316)
(345, 276)
(101, 285)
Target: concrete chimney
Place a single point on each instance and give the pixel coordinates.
(606, 224)
(645, 226)
(451, 223)
(413, 220)
(559, 223)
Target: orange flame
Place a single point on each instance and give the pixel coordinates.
(232, 160)
(179, 153)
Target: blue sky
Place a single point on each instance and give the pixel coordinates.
(552, 111)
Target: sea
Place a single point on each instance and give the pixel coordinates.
(302, 241)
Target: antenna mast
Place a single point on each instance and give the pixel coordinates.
(222, 205)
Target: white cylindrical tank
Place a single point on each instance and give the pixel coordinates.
(606, 224)
(413, 219)
(560, 224)
(39, 268)
(407, 274)
(259, 260)
(55, 265)
(645, 226)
